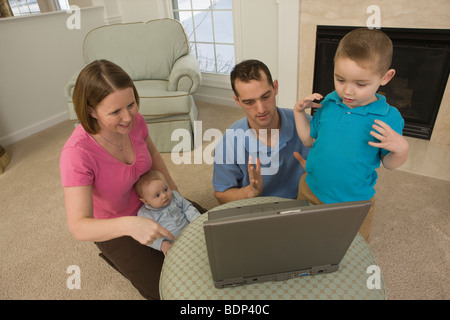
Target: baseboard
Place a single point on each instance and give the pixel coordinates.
(34, 128)
(215, 99)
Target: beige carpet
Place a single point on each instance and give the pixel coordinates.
(410, 234)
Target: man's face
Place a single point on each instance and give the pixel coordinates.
(257, 99)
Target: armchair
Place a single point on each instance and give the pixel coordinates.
(157, 57)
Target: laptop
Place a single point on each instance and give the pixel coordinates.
(279, 240)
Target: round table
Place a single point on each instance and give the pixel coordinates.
(186, 274)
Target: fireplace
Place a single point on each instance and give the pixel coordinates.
(422, 63)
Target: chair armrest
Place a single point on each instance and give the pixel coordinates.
(185, 75)
(68, 87)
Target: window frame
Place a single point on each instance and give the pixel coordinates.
(55, 5)
(221, 80)
(20, 14)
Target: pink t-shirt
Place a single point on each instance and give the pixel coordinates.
(84, 162)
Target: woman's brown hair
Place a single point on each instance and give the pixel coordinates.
(95, 82)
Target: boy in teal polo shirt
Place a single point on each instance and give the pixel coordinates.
(354, 128)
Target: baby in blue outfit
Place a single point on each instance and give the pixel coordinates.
(166, 207)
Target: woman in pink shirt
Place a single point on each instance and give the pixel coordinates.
(100, 163)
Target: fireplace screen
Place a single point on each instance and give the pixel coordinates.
(422, 63)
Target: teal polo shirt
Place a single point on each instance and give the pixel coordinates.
(341, 164)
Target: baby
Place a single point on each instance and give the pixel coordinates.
(165, 206)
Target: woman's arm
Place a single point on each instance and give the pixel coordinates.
(82, 225)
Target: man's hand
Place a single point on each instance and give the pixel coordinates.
(300, 159)
(255, 187)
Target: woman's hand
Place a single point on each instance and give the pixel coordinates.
(146, 230)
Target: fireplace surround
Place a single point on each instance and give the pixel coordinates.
(422, 63)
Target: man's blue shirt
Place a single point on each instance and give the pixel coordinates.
(280, 170)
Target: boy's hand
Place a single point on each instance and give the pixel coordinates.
(391, 141)
(301, 105)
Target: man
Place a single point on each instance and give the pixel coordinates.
(259, 155)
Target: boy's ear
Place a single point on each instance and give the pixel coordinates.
(143, 200)
(387, 76)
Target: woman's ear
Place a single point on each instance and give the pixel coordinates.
(92, 112)
(387, 76)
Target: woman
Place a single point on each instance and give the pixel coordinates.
(100, 163)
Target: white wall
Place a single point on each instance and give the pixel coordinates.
(41, 53)
(38, 54)
(257, 32)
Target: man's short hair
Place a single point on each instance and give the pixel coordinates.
(367, 46)
(248, 70)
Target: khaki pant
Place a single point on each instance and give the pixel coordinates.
(304, 193)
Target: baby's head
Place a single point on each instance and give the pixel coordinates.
(153, 189)
(361, 65)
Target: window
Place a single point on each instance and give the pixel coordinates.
(24, 7)
(27, 7)
(209, 27)
(63, 4)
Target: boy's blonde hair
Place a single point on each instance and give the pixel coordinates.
(367, 46)
(146, 178)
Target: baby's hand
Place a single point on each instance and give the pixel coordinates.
(301, 105)
(165, 246)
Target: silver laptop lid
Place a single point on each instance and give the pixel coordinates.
(254, 244)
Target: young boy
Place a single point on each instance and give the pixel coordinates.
(354, 128)
(165, 206)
